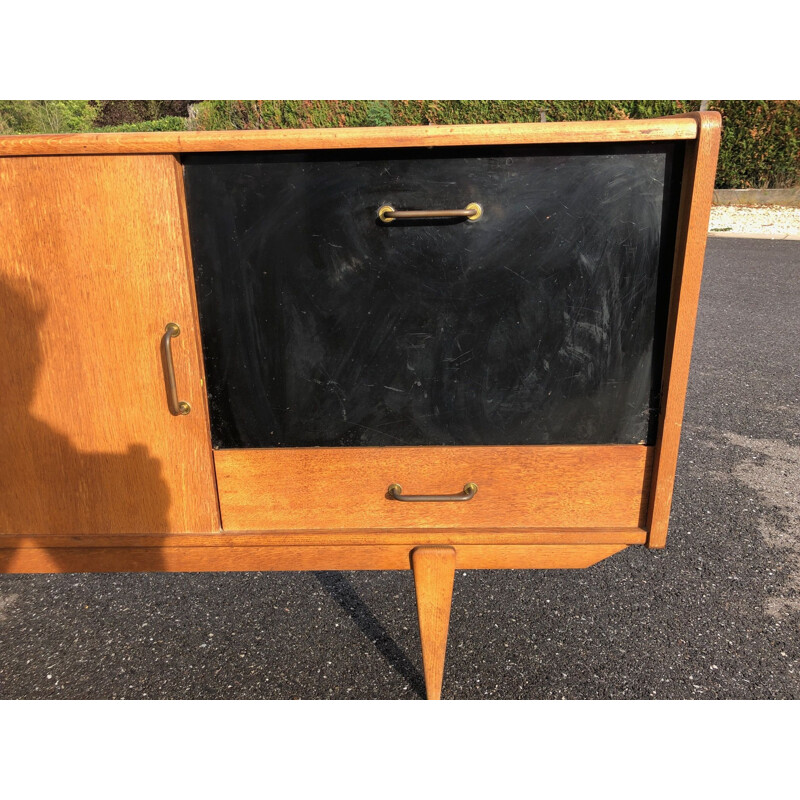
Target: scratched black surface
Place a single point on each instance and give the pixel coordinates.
(541, 323)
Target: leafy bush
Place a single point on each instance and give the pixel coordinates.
(46, 116)
(379, 114)
(163, 124)
(113, 113)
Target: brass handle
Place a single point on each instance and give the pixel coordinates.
(396, 493)
(177, 408)
(472, 212)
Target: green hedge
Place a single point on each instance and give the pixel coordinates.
(255, 114)
(760, 144)
(760, 138)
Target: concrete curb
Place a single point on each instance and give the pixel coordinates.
(787, 237)
(757, 197)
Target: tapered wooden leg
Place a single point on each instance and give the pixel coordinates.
(434, 571)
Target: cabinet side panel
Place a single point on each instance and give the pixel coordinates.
(92, 267)
(697, 192)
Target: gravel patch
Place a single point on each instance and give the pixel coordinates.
(777, 221)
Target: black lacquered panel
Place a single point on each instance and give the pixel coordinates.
(541, 323)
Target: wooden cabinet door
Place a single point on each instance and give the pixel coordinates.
(93, 265)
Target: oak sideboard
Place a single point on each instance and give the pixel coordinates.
(429, 348)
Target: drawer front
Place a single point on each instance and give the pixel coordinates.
(541, 323)
(528, 487)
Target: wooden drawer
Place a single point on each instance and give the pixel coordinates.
(518, 487)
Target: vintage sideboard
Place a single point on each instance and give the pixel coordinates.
(430, 348)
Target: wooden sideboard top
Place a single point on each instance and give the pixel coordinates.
(683, 127)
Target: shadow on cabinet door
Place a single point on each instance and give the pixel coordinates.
(48, 485)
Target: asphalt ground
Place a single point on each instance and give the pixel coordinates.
(715, 615)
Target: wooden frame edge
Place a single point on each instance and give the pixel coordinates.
(348, 538)
(675, 127)
(198, 345)
(695, 210)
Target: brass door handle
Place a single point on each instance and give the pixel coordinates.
(472, 212)
(177, 408)
(396, 493)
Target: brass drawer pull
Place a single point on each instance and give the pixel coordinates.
(396, 493)
(176, 407)
(472, 212)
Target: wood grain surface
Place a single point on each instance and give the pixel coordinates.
(92, 267)
(324, 138)
(281, 558)
(327, 488)
(434, 573)
(697, 193)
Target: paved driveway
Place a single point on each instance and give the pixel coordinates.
(715, 615)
